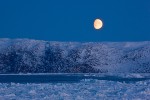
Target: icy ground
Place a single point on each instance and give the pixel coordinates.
(86, 89)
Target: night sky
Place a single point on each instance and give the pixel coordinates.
(72, 20)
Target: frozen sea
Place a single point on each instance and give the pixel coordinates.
(128, 86)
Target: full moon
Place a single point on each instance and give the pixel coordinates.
(98, 24)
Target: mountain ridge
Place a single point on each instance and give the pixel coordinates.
(38, 56)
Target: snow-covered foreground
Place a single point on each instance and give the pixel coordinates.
(86, 89)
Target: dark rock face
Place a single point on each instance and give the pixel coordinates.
(32, 56)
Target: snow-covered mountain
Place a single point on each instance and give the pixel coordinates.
(36, 56)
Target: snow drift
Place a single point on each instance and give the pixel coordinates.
(35, 56)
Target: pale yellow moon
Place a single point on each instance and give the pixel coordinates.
(98, 24)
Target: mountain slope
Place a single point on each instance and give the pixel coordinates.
(35, 56)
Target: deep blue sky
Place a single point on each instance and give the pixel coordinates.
(72, 20)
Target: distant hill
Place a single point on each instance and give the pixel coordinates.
(35, 56)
